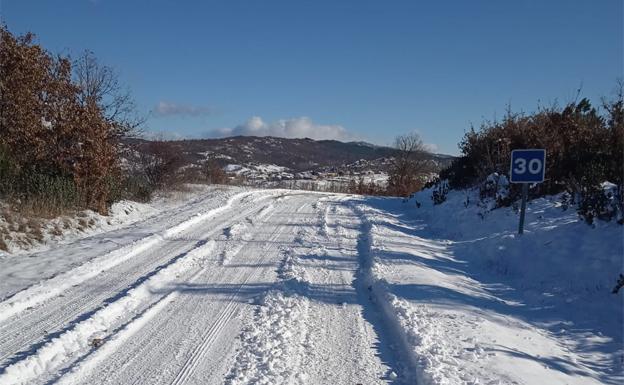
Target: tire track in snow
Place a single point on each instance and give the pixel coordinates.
(114, 342)
(234, 234)
(309, 329)
(46, 340)
(56, 319)
(285, 311)
(74, 374)
(211, 334)
(390, 330)
(80, 339)
(198, 354)
(65, 327)
(345, 320)
(52, 287)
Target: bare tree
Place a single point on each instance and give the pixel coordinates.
(408, 166)
(213, 173)
(160, 160)
(99, 87)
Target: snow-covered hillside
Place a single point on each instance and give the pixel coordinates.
(284, 287)
(269, 162)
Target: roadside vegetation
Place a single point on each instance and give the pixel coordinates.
(60, 125)
(411, 168)
(62, 121)
(584, 163)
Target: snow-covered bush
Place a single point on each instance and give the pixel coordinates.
(605, 202)
(496, 187)
(492, 193)
(440, 190)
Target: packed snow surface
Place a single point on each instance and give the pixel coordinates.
(239, 286)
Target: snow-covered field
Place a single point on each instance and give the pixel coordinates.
(240, 286)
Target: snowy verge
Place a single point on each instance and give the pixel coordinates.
(22, 269)
(25, 236)
(42, 291)
(564, 252)
(471, 302)
(20, 235)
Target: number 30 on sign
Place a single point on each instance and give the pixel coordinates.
(527, 166)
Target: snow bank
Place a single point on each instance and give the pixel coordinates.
(268, 352)
(44, 290)
(562, 249)
(472, 302)
(27, 236)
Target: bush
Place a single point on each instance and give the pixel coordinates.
(604, 202)
(133, 187)
(584, 146)
(497, 188)
(461, 173)
(159, 163)
(213, 173)
(440, 191)
(58, 139)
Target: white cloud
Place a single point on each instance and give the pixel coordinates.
(432, 147)
(163, 109)
(302, 127)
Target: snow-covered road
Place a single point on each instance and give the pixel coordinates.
(180, 306)
(265, 287)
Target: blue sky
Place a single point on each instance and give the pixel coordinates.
(338, 69)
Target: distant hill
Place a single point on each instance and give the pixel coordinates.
(294, 154)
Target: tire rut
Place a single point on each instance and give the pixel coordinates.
(63, 312)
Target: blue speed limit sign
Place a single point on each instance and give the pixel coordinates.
(527, 166)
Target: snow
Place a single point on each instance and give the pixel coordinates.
(295, 336)
(81, 337)
(476, 303)
(267, 357)
(121, 234)
(69, 228)
(273, 176)
(243, 286)
(54, 286)
(258, 171)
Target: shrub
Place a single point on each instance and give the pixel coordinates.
(604, 202)
(584, 146)
(496, 187)
(58, 137)
(213, 173)
(440, 191)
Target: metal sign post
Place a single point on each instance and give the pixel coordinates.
(527, 166)
(525, 193)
